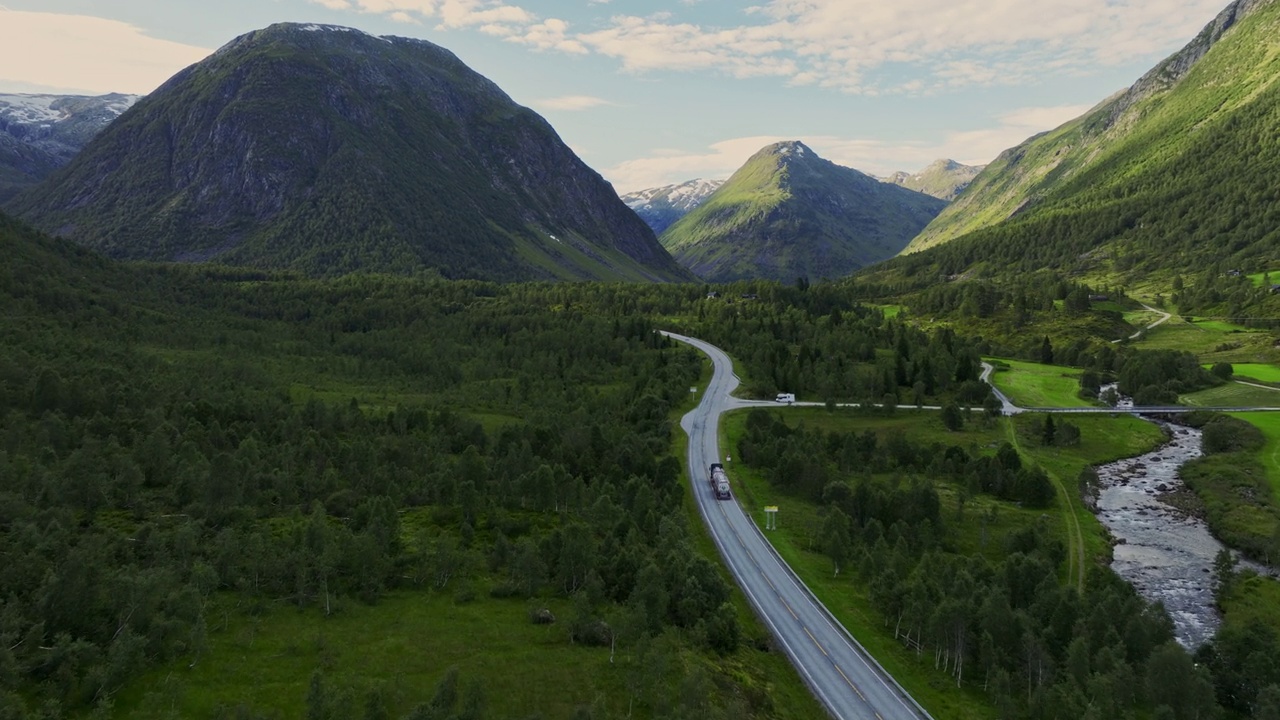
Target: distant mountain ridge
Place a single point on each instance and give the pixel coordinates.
(943, 179)
(788, 213)
(661, 206)
(40, 133)
(1034, 171)
(327, 150)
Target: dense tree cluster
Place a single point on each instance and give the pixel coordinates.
(818, 342)
(1041, 649)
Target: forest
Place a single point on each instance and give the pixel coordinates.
(187, 448)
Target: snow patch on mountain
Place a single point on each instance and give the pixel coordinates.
(313, 27)
(684, 196)
(45, 110)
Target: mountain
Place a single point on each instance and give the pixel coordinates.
(788, 213)
(943, 179)
(327, 150)
(41, 133)
(660, 207)
(1137, 164)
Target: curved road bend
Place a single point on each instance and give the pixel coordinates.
(843, 676)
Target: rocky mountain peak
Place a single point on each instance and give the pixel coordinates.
(1172, 69)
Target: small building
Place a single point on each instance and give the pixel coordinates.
(713, 295)
(1234, 273)
(1098, 298)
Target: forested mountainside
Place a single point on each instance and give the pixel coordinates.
(325, 150)
(1171, 176)
(788, 213)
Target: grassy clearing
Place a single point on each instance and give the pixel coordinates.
(1232, 395)
(1211, 343)
(1262, 372)
(1255, 598)
(1262, 278)
(890, 311)
(1269, 455)
(1140, 318)
(1034, 385)
(924, 426)
(400, 647)
(1218, 325)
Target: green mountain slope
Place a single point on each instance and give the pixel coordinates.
(1178, 161)
(943, 179)
(328, 151)
(788, 213)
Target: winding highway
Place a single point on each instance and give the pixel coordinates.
(839, 672)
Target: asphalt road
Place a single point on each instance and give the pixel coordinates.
(841, 674)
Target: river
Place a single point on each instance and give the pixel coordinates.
(1164, 553)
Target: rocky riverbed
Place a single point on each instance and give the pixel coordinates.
(1166, 552)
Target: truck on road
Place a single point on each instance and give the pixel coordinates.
(719, 481)
(786, 398)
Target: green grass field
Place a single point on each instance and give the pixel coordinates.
(1219, 326)
(924, 426)
(1262, 372)
(1210, 341)
(1034, 385)
(1255, 598)
(1261, 278)
(1269, 424)
(1232, 394)
(1140, 318)
(400, 647)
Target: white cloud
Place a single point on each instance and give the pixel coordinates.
(875, 157)
(860, 46)
(572, 102)
(79, 53)
(551, 34)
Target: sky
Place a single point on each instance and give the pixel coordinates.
(653, 92)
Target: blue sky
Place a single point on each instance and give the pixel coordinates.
(650, 93)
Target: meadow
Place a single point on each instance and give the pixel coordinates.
(1211, 341)
(1269, 455)
(1261, 372)
(1031, 384)
(1232, 395)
